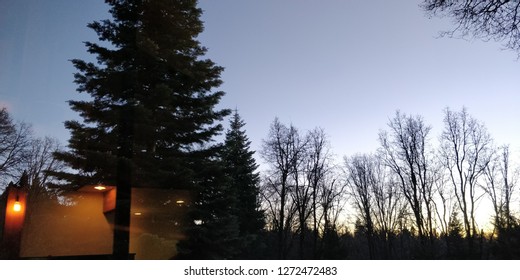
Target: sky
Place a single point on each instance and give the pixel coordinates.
(344, 66)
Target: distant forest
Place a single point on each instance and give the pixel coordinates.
(410, 199)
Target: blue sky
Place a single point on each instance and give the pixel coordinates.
(345, 66)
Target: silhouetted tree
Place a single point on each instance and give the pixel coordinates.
(37, 165)
(319, 166)
(309, 177)
(407, 153)
(499, 184)
(331, 202)
(39, 162)
(21, 153)
(507, 244)
(241, 169)
(485, 19)
(282, 149)
(361, 240)
(335, 245)
(454, 238)
(301, 190)
(15, 141)
(388, 206)
(466, 152)
(151, 115)
(444, 205)
(509, 179)
(361, 174)
(212, 226)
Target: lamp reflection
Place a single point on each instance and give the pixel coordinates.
(17, 206)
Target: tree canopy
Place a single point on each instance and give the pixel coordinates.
(484, 19)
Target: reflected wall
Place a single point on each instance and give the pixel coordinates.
(80, 223)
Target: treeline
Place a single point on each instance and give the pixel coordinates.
(412, 198)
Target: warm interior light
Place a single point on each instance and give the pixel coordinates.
(17, 207)
(180, 201)
(138, 213)
(100, 188)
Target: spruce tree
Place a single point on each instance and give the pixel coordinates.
(229, 222)
(240, 167)
(211, 225)
(454, 238)
(149, 117)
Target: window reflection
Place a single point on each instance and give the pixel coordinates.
(80, 223)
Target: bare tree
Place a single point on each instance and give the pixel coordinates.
(407, 152)
(499, 185)
(388, 205)
(361, 181)
(318, 167)
(37, 165)
(509, 180)
(300, 191)
(485, 19)
(466, 152)
(444, 204)
(332, 200)
(14, 144)
(39, 161)
(300, 188)
(28, 161)
(281, 150)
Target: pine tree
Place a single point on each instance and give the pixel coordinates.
(212, 228)
(240, 167)
(229, 223)
(454, 238)
(150, 118)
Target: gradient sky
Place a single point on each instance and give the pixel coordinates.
(345, 66)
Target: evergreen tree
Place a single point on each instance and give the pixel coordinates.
(454, 238)
(150, 118)
(507, 243)
(240, 167)
(211, 225)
